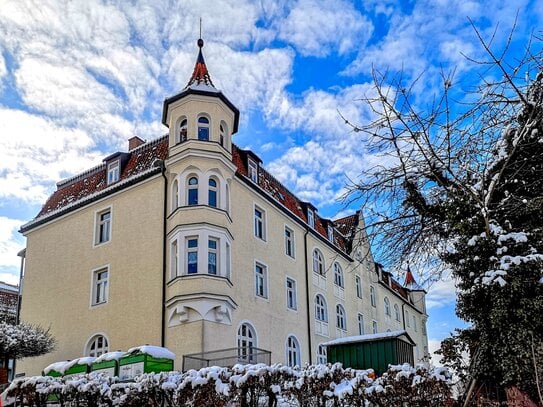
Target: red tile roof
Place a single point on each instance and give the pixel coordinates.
(80, 188)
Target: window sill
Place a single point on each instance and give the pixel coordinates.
(199, 275)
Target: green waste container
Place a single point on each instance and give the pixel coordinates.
(145, 359)
(79, 366)
(55, 369)
(108, 363)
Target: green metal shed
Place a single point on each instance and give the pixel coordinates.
(375, 351)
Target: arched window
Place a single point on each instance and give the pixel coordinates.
(318, 262)
(97, 346)
(372, 296)
(246, 343)
(212, 193)
(203, 128)
(182, 136)
(293, 352)
(192, 198)
(321, 312)
(397, 312)
(175, 195)
(341, 320)
(387, 306)
(338, 276)
(222, 133)
(321, 355)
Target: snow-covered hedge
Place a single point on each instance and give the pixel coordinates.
(244, 385)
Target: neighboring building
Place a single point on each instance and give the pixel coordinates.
(9, 296)
(187, 242)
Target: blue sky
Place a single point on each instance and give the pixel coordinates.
(78, 78)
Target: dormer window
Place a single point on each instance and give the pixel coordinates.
(310, 218)
(253, 170)
(203, 128)
(330, 233)
(113, 172)
(182, 131)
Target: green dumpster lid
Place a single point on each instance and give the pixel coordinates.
(106, 357)
(87, 360)
(372, 338)
(154, 351)
(56, 367)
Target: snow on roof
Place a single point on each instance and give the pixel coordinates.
(154, 351)
(106, 357)
(56, 367)
(369, 338)
(203, 87)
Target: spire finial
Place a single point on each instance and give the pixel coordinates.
(200, 41)
(200, 75)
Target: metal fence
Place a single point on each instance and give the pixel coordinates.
(226, 358)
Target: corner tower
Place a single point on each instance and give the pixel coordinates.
(200, 172)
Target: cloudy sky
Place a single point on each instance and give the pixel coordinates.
(80, 77)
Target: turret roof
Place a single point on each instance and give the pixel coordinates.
(200, 78)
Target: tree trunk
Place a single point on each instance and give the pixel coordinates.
(517, 398)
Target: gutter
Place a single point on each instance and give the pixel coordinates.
(164, 223)
(307, 298)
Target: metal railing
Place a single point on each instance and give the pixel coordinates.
(226, 358)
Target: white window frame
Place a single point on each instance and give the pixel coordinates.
(310, 218)
(374, 327)
(397, 312)
(182, 133)
(373, 298)
(386, 304)
(213, 189)
(259, 223)
(193, 187)
(358, 285)
(322, 358)
(113, 171)
(289, 242)
(246, 339)
(203, 126)
(292, 295)
(100, 287)
(318, 262)
(188, 250)
(99, 224)
(331, 233)
(261, 280)
(98, 350)
(360, 319)
(175, 194)
(214, 251)
(223, 133)
(321, 309)
(174, 259)
(293, 351)
(252, 170)
(341, 317)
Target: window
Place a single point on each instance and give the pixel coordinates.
(293, 352)
(100, 286)
(338, 276)
(97, 345)
(174, 256)
(212, 256)
(291, 294)
(397, 312)
(318, 262)
(113, 172)
(341, 321)
(175, 195)
(222, 133)
(203, 128)
(289, 242)
(252, 170)
(415, 323)
(103, 226)
(212, 193)
(259, 219)
(386, 302)
(372, 296)
(321, 355)
(193, 191)
(182, 131)
(360, 324)
(246, 340)
(321, 313)
(358, 283)
(374, 327)
(227, 268)
(330, 233)
(192, 255)
(261, 283)
(310, 218)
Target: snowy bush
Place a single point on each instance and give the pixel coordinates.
(244, 386)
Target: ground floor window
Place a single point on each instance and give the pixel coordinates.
(293, 352)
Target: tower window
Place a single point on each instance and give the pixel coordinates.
(182, 131)
(203, 128)
(222, 133)
(212, 193)
(192, 255)
(193, 191)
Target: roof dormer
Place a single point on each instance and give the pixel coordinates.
(115, 164)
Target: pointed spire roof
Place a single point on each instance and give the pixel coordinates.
(410, 282)
(200, 75)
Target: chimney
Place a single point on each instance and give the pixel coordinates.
(134, 142)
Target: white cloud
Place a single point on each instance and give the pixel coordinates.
(441, 293)
(3, 69)
(317, 28)
(35, 153)
(10, 243)
(10, 278)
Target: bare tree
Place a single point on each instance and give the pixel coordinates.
(461, 188)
